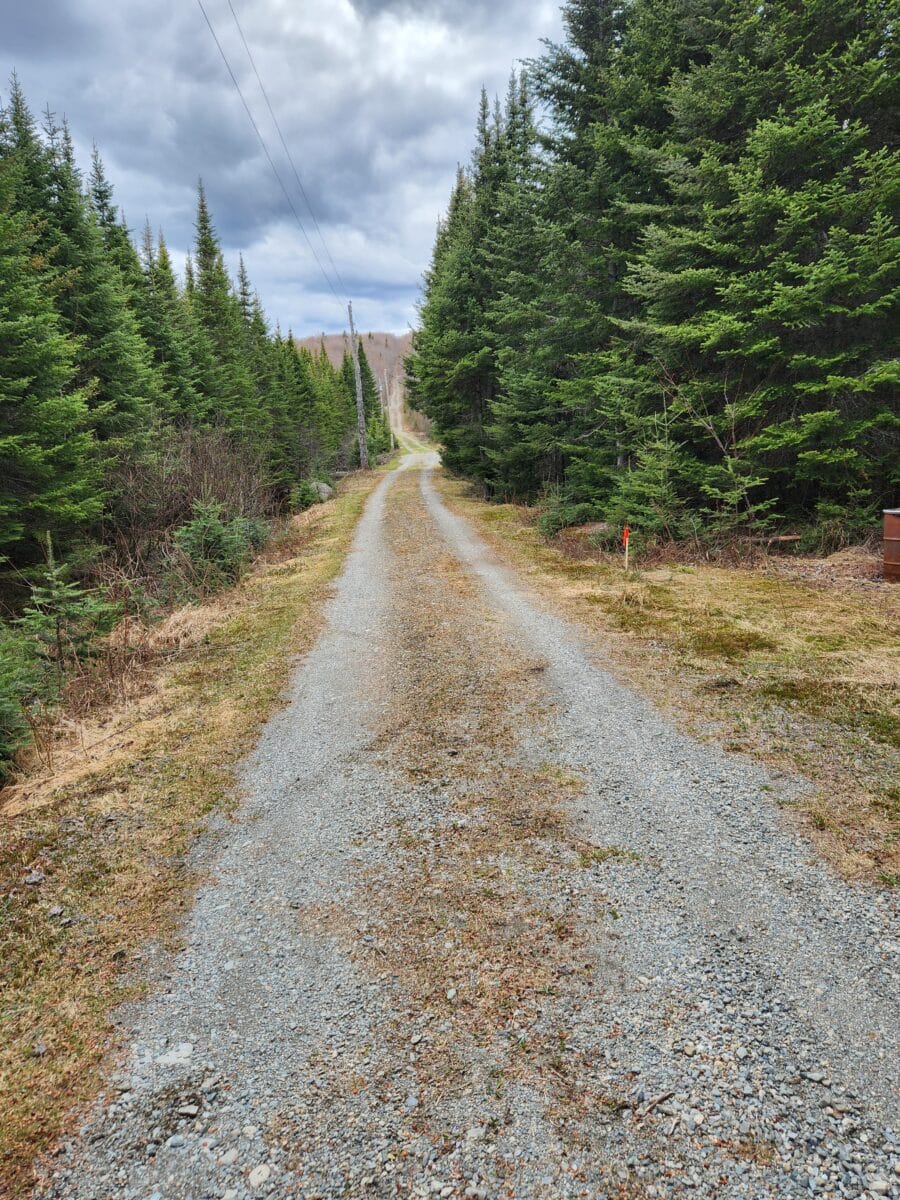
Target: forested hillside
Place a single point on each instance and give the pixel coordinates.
(665, 289)
(384, 351)
(148, 427)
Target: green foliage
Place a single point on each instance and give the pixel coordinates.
(255, 532)
(229, 387)
(558, 512)
(166, 327)
(20, 679)
(63, 621)
(125, 397)
(836, 526)
(48, 477)
(677, 306)
(303, 496)
(53, 638)
(214, 551)
(102, 354)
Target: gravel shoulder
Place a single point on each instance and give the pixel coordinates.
(489, 925)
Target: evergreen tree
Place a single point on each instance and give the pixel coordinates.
(257, 355)
(764, 293)
(335, 413)
(104, 359)
(527, 429)
(113, 361)
(295, 445)
(116, 237)
(677, 303)
(164, 324)
(231, 397)
(377, 429)
(377, 425)
(452, 371)
(48, 478)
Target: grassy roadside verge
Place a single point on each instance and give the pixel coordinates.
(805, 678)
(93, 860)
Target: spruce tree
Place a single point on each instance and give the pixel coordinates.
(103, 359)
(377, 426)
(116, 236)
(48, 476)
(452, 371)
(678, 304)
(114, 363)
(164, 324)
(765, 291)
(526, 429)
(335, 413)
(232, 400)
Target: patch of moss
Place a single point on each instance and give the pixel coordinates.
(728, 641)
(838, 701)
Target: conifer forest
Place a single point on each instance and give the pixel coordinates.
(665, 290)
(148, 428)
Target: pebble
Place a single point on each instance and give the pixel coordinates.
(259, 1175)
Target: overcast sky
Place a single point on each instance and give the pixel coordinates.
(376, 98)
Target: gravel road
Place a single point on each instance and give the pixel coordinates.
(487, 925)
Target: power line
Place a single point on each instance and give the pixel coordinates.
(287, 151)
(271, 162)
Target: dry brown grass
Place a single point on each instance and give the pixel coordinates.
(474, 917)
(105, 835)
(802, 672)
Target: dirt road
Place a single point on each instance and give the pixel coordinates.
(487, 925)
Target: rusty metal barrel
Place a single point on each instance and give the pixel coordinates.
(892, 545)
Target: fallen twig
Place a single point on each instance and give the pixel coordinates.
(648, 1108)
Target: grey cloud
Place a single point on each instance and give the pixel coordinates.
(474, 11)
(376, 98)
(43, 31)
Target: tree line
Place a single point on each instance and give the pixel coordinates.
(665, 290)
(110, 367)
(150, 427)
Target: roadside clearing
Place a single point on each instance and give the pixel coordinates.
(805, 678)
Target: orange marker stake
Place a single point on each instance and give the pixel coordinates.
(626, 538)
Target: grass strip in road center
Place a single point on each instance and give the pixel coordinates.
(477, 910)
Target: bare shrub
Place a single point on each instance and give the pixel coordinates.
(155, 493)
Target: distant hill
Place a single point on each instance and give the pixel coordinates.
(385, 351)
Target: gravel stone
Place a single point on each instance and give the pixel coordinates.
(733, 1002)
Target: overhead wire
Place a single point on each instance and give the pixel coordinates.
(286, 148)
(269, 158)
